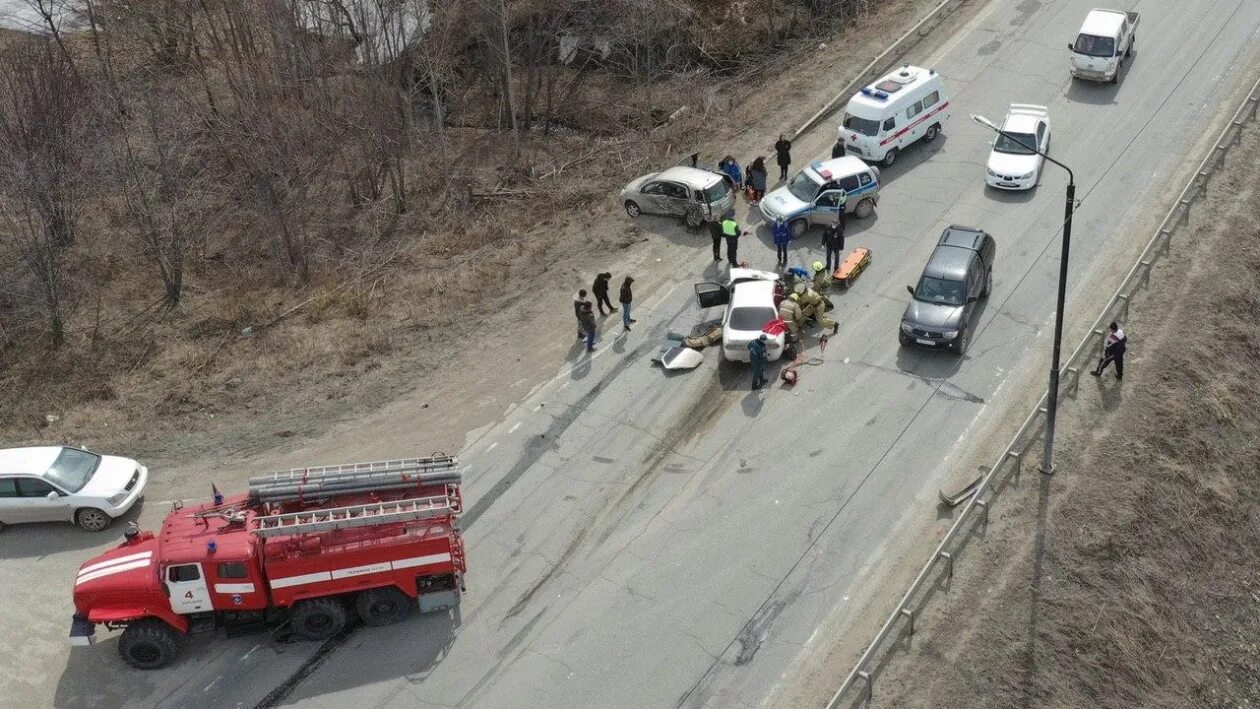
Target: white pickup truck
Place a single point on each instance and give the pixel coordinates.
(1105, 40)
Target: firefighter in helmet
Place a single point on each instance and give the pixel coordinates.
(822, 278)
(790, 312)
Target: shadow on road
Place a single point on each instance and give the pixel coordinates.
(35, 540)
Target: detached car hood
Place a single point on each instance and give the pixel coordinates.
(936, 316)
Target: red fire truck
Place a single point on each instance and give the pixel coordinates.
(309, 547)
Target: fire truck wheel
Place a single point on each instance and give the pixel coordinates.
(319, 618)
(149, 644)
(383, 606)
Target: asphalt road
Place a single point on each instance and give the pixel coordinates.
(643, 539)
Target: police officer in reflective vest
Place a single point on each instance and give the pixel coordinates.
(730, 229)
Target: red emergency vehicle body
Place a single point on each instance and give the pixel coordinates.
(218, 565)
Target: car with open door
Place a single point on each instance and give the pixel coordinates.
(748, 296)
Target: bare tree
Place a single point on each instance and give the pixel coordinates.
(42, 129)
(167, 191)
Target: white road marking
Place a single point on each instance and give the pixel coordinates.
(492, 446)
(963, 33)
(212, 683)
(251, 652)
(514, 427)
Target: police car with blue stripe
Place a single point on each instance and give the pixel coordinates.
(816, 194)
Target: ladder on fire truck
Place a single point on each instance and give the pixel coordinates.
(327, 520)
(327, 481)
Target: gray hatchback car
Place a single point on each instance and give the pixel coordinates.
(957, 275)
(691, 193)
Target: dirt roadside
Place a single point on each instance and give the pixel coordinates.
(1130, 577)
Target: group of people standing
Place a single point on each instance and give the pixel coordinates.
(755, 183)
(584, 310)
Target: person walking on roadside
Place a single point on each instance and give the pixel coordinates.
(588, 325)
(833, 242)
(715, 232)
(782, 232)
(600, 290)
(579, 299)
(627, 297)
(758, 177)
(730, 230)
(757, 360)
(837, 150)
(1113, 351)
(783, 154)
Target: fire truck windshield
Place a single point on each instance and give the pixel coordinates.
(73, 468)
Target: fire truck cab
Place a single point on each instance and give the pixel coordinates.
(313, 547)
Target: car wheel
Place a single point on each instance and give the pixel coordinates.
(148, 644)
(693, 218)
(1132, 41)
(932, 131)
(91, 519)
(798, 228)
(319, 618)
(632, 208)
(1116, 76)
(988, 284)
(865, 208)
(383, 606)
(903, 339)
(889, 158)
(963, 341)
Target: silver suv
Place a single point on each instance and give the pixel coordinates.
(691, 193)
(958, 274)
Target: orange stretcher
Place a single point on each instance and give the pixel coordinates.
(852, 266)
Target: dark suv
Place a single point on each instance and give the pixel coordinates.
(959, 273)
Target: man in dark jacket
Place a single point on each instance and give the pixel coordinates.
(833, 242)
(627, 297)
(1113, 351)
(600, 290)
(715, 232)
(757, 361)
(783, 153)
(837, 150)
(579, 299)
(587, 318)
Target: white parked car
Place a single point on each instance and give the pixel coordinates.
(1012, 164)
(749, 301)
(63, 484)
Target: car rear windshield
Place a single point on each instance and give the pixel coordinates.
(73, 468)
(939, 290)
(803, 187)
(1015, 143)
(752, 317)
(717, 192)
(1094, 46)
(865, 126)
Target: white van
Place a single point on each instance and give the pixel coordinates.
(1105, 40)
(882, 119)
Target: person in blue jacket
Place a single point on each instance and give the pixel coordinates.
(731, 169)
(782, 232)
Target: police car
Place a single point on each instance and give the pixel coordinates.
(817, 193)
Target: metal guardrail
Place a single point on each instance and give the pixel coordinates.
(1011, 460)
(879, 63)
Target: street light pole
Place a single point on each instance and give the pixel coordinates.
(1052, 396)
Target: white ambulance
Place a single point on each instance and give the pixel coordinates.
(908, 104)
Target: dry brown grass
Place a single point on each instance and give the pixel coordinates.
(1138, 585)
